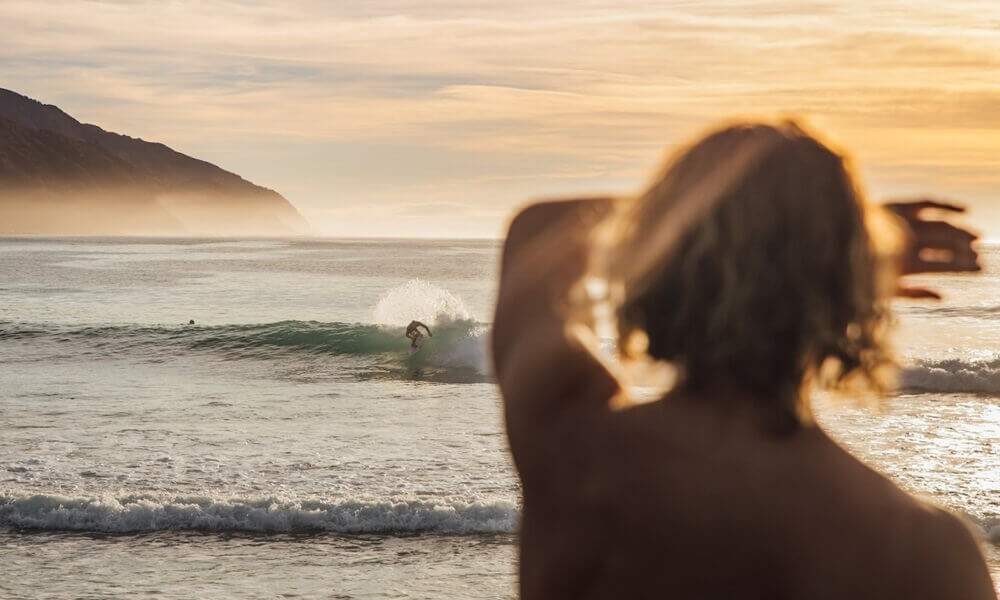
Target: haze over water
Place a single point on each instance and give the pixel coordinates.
(286, 443)
(436, 118)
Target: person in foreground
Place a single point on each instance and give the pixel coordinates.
(753, 267)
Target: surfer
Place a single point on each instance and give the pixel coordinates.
(754, 267)
(413, 333)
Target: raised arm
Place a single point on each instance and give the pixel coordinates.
(542, 369)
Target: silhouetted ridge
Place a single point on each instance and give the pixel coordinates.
(29, 156)
(58, 175)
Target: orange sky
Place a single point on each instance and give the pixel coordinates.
(437, 117)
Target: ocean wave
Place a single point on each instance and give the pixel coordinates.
(953, 375)
(456, 343)
(144, 514)
(988, 529)
(979, 311)
(138, 514)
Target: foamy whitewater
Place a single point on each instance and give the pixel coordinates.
(288, 445)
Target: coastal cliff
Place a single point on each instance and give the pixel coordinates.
(60, 176)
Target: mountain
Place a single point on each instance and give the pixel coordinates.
(60, 176)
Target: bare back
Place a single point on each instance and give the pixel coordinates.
(673, 497)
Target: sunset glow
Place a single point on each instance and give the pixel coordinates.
(437, 118)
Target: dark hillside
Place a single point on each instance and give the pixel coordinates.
(50, 161)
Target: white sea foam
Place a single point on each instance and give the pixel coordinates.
(137, 514)
(990, 529)
(419, 300)
(460, 345)
(458, 341)
(953, 375)
(131, 514)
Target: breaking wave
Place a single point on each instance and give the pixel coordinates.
(137, 514)
(146, 513)
(953, 375)
(419, 300)
(456, 343)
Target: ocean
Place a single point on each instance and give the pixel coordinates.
(287, 445)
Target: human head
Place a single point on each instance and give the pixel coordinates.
(749, 261)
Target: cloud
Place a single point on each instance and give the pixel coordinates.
(485, 104)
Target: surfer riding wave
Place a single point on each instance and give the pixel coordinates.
(414, 334)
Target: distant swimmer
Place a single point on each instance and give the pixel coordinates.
(413, 333)
(191, 322)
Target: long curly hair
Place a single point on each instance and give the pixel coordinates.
(750, 260)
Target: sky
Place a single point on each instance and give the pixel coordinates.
(438, 118)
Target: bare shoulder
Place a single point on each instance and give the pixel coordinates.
(880, 537)
(947, 558)
(935, 554)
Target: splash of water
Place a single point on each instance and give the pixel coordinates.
(458, 341)
(419, 300)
